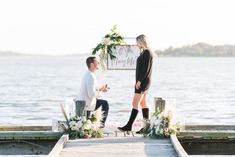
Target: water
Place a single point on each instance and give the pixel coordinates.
(208, 146)
(32, 88)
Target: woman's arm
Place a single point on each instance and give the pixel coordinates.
(145, 66)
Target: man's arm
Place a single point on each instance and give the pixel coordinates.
(91, 87)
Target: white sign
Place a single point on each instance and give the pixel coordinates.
(126, 56)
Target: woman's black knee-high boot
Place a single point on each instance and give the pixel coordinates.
(145, 112)
(128, 126)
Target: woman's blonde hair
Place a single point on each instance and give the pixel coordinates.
(142, 39)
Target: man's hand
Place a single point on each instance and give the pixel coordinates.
(104, 88)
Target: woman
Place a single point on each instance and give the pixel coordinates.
(143, 81)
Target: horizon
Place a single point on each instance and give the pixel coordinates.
(63, 28)
(82, 54)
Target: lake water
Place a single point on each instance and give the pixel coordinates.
(32, 88)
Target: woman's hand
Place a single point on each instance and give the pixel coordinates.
(137, 85)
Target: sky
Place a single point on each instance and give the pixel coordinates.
(58, 27)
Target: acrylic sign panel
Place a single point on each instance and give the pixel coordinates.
(126, 57)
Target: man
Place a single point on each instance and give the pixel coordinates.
(89, 91)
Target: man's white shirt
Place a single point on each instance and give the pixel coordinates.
(89, 92)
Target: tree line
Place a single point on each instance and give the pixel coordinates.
(199, 50)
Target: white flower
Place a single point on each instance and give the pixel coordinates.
(74, 128)
(83, 119)
(79, 124)
(72, 124)
(156, 130)
(86, 126)
(88, 122)
(107, 41)
(155, 121)
(77, 118)
(152, 120)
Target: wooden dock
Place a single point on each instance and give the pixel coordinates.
(120, 146)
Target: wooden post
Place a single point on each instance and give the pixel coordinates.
(159, 103)
(80, 108)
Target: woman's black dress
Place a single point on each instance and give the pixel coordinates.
(144, 70)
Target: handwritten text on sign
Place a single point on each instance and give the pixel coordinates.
(126, 57)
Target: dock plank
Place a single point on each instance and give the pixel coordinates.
(119, 146)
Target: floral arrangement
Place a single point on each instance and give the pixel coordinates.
(109, 42)
(82, 127)
(160, 125)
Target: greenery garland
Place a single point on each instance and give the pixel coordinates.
(109, 42)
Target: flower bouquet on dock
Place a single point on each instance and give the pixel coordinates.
(82, 127)
(160, 125)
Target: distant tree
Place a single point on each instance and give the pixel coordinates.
(199, 49)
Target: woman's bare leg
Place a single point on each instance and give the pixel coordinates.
(136, 100)
(143, 102)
